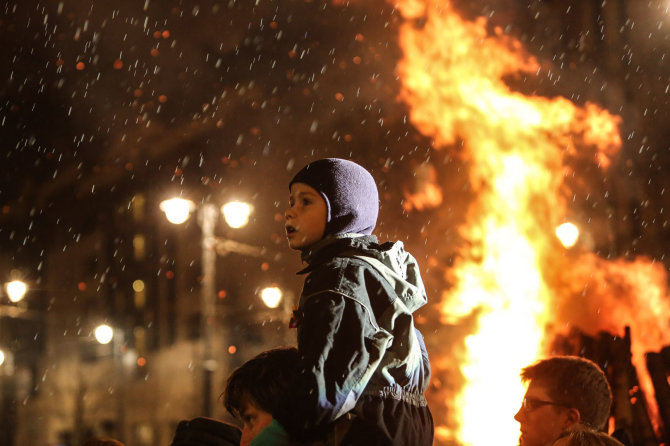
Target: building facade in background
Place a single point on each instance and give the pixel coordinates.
(142, 276)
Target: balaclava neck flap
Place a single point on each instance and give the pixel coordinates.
(350, 193)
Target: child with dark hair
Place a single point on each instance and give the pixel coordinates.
(202, 431)
(581, 435)
(364, 366)
(253, 394)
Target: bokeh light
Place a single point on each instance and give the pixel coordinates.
(104, 334)
(568, 234)
(177, 210)
(16, 290)
(236, 213)
(271, 296)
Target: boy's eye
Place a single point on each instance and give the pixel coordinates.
(306, 201)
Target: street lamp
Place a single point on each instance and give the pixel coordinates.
(177, 210)
(16, 290)
(102, 343)
(236, 213)
(104, 334)
(271, 296)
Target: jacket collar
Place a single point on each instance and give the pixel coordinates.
(330, 246)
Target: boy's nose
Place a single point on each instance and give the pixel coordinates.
(288, 213)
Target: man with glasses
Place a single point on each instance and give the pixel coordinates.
(562, 391)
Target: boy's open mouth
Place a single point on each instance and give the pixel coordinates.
(290, 229)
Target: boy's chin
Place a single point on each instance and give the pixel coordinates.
(294, 245)
(299, 246)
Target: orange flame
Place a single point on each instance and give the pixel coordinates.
(514, 274)
(427, 193)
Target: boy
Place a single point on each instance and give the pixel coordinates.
(580, 435)
(364, 367)
(563, 391)
(253, 392)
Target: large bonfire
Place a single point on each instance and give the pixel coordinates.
(523, 286)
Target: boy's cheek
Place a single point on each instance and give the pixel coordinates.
(247, 435)
(251, 430)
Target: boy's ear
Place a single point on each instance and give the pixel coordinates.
(574, 417)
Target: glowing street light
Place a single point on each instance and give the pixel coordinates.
(16, 289)
(104, 334)
(568, 234)
(2, 357)
(236, 213)
(177, 210)
(271, 296)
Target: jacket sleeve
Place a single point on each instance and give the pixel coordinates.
(336, 340)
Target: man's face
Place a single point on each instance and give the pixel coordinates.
(540, 421)
(306, 216)
(254, 421)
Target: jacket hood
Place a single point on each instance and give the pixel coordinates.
(391, 259)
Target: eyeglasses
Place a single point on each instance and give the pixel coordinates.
(530, 404)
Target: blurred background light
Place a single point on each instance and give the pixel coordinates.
(104, 334)
(177, 210)
(138, 285)
(16, 289)
(568, 234)
(271, 296)
(236, 213)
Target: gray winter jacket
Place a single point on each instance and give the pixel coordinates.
(361, 354)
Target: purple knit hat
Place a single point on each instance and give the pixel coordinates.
(350, 193)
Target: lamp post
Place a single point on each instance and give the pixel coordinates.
(6, 364)
(105, 334)
(207, 218)
(16, 310)
(102, 343)
(236, 214)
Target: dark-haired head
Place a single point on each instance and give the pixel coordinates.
(574, 382)
(263, 381)
(580, 435)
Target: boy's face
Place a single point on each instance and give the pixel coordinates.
(541, 421)
(305, 216)
(254, 420)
